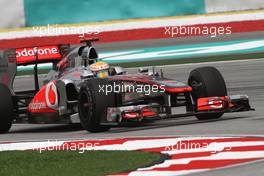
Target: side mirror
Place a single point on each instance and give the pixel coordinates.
(148, 71)
(143, 70)
(117, 71)
(151, 73)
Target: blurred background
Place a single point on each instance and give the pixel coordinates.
(197, 26)
(20, 13)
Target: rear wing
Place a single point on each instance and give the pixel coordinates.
(11, 58)
(41, 54)
(8, 68)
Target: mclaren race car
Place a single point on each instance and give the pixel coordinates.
(81, 88)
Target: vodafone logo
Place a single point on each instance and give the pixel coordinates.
(34, 51)
(25, 55)
(51, 96)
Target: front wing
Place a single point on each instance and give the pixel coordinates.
(207, 105)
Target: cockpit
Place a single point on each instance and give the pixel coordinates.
(84, 56)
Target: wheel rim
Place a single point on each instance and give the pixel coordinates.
(197, 88)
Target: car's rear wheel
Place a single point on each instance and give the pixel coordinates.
(93, 105)
(6, 109)
(207, 82)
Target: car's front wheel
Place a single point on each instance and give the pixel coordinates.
(207, 82)
(92, 105)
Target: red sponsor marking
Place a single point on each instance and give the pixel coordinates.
(52, 96)
(178, 90)
(148, 113)
(27, 55)
(46, 100)
(211, 103)
(130, 115)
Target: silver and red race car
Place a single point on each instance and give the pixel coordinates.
(83, 89)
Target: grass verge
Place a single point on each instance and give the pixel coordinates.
(72, 163)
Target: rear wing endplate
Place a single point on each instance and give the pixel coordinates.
(8, 68)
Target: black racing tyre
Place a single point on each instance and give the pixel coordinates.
(92, 105)
(206, 82)
(6, 109)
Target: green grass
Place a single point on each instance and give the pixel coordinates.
(72, 163)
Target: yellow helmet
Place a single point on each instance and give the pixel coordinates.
(100, 69)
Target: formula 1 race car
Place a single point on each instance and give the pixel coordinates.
(81, 88)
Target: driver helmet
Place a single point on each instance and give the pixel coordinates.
(100, 69)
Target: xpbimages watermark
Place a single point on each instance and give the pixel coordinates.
(212, 31)
(188, 146)
(55, 30)
(79, 146)
(136, 88)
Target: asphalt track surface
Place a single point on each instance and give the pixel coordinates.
(242, 77)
